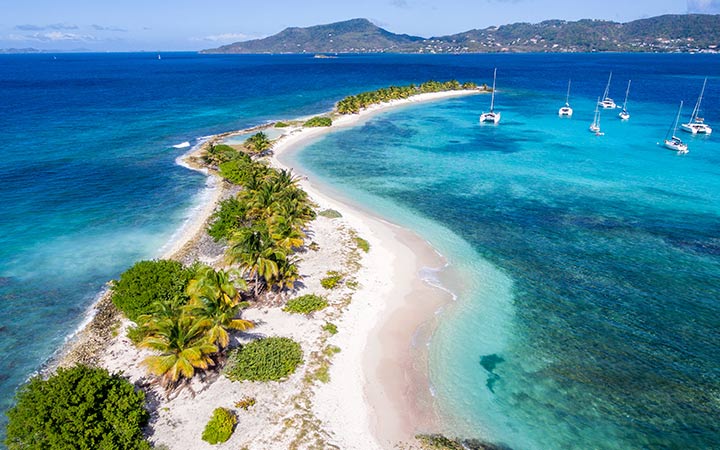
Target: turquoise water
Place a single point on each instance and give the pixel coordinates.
(587, 268)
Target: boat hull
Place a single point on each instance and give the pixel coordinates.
(696, 128)
(676, 146)
(565, 111)
(608, 104)
(624, 115)
(491, 117)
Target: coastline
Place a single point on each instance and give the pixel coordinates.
(381, 373)
(368, 403)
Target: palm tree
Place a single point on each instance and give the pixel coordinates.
(254, 250)
(183, 346)
(284, 232)
(215, 298)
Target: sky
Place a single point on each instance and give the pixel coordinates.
(160, 25)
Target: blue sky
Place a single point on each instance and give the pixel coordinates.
(191, 25)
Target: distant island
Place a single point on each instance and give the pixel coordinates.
(689, 33)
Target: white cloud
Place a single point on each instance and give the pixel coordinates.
(55, 26)
(53, 36)
(102, 28)
(703, 6)
(225, 37)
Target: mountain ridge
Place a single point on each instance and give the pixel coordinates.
(666, 33)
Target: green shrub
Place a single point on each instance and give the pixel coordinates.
(246, 403)
(269, 359)
(281, 124)
(330, 214)
(220, 427)
(362, 244)
(220, 153)
(79, 407)
(318, 121)
(332, 280)
(330, 328)
(305, 304)
(148, 282)
(240, 171)
(226, 219)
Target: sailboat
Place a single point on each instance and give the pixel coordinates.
(159, 57)
(624, 115)
(566, 111)
(492, 116)
(697, 124)
(607, 102)
(675, 143)
(595, 126)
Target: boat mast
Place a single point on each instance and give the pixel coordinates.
(607, 88)
(596, 118)
(696, 111)
(492, 98)
(567, 97)
(675, 124)
(626, 95)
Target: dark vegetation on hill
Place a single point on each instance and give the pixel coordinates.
(668, 33)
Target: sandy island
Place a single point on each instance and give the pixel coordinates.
(377, 396)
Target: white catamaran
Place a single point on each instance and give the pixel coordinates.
(675, 143)
(595, 126)
(607, 102)
(492, 116)
(566, 111)
(697, 124)
(624, 115)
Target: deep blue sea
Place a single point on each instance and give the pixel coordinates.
(587, 268)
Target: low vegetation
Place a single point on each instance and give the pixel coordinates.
(330, 328)
(332, 280)
(354, 103)
(79, 407)
(220, 153)
(246, 403)
(220, 427)
(281, 124)
(330, 214)
(362, 244)
(318, 121)
(305, 304)
(269, 359)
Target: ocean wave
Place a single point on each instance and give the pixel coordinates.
(185, 144)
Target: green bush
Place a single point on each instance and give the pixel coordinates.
(318, 121)
(79, 407)
(220, 427)
(362, 244)
(305, 304)
(330, 328)
(220, 153)
(246, 403)
(227, 218)
(281, 124)
(269, 359)
(332, 280)
(330, 214)
(148, 282)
